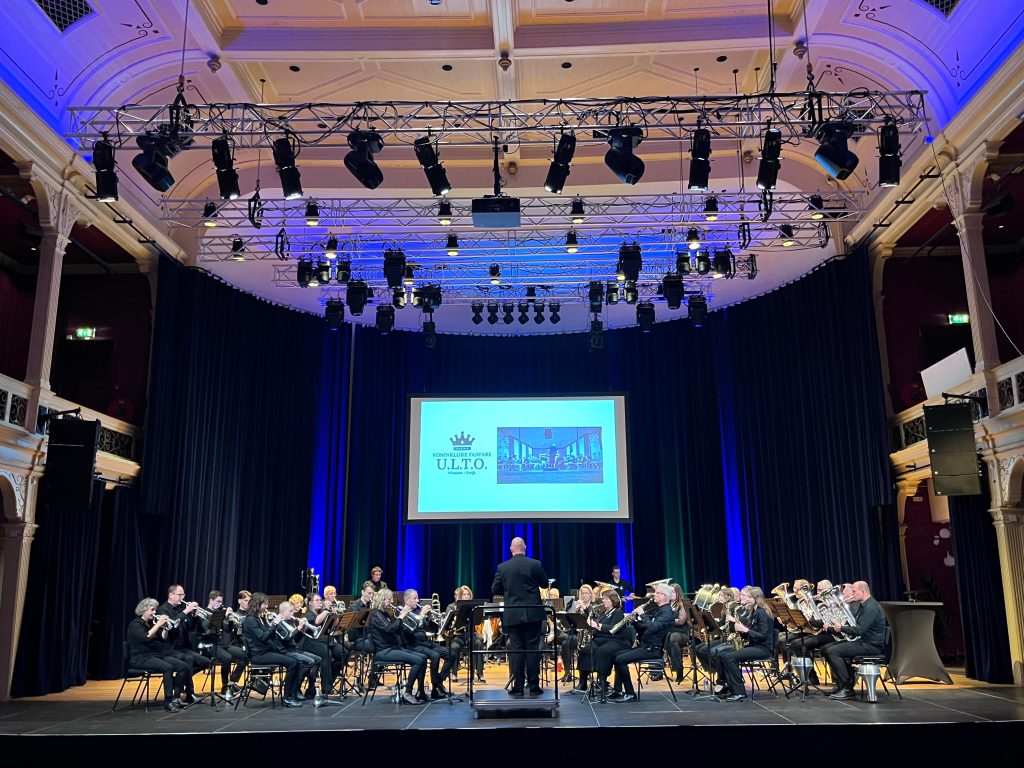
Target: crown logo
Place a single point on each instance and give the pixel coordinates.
(462, 441)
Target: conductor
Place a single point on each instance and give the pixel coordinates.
(520, 579)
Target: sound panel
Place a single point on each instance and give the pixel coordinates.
(949, 430)
(70, 463)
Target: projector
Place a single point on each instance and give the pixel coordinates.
(496, 212)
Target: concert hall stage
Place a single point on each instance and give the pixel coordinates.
(928, 720)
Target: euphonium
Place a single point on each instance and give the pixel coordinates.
(782, 592)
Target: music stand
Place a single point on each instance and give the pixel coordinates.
(351, 620)
(711, 631)
(801, 624)
(213, 631)
(465, 619)
(575, 622)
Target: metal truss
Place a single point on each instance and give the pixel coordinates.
(402, 217)
(476, 123)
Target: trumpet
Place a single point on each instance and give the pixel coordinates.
(204, 614)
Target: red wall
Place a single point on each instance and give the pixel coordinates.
(17, 295)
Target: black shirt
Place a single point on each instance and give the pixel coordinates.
(383, 631)
(871, 627)
(654, 625)
(519, 579)
(259, 635)
(140, 644)
(178, 637)
(622, 587)
(760, 630)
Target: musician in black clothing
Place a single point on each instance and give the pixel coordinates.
(375, 581)
(624, 588)
(356, 637)
(520, 579)
(262, 640)
(871, 633)
(599, 655)
(757, 628)
(415, 639)
(679, 636)
(654, 625)
(583, 604)
(181, 638)
(225, 646)
(461, 640)
(384, 632)
(330, 656)
(147, 649)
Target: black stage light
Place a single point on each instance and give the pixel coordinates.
(577, 211)
(331, 247)
(334, 313)
(786, 233)
(427, 298)
(768, 168)
(506, 309)
(630, 261)
(478, 312)
(429, 334)
(703, 263)
(432, 167)
(833, 154)
(558, 172)
(394, 267)
(495, 274)
(399, 298)
(323, 272)
(645, 316)
(553, 309)
(630, 293)
(444, 213)
(596, 296)
(620, 158)
(492, 313)
(312, 213)
(409, 278)
(538, 312)
(531, 293)
(286, 149)
(385, 319)
(700, 159)
(452, 244)
(711, 209)
(210, 214)
(359, 160)
(303, 273)
(683, 266)
(693, 238)
(238, 249)
(524, 309)
(572, 243)
(157, 150)
(672, 290)
(227, 176)
(106, 176)
(697, 310)
(816, 205)
(343, 272)
(357, 294)
(889, 149)
(611, 293)
(596, 335)
(721, 264)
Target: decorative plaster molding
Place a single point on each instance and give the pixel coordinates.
(20, 485)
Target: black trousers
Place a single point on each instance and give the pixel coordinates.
(674, 644)
(709, 655)
(838, 655)
(440, 661)
(177, 673)
(458, 646)
(226, 654)
(319, 649)
(624, 658)
(417, 662)
(293, 669)
(804, 646)
(729, 664)
(524, 655)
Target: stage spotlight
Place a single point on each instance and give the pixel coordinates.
(721, 264)
(429, 334)
(303, 272)
(409, 278)
(558, 172)
(683, 266)
(427, 298)
(495, 274)
(385, 319)
(356, 295)
(538, 310)
(577, 211)
(889, 149)
(334, 313)
(596, 296)
(314, 275)
(611, 293)
(553, 308)
(571, 243)
(394, 267)
(312, 213)
(697, 310)
(672, 290)
(596, 335)
(620, 158)
(238, 249)
(645, 316)
(531, 293)
(711, 209)
(506, 309)
(492, 313)
(106, 176)
(700, 159)
(331, 248)
(630, 292)
(444, 213)
(227, 176)
(524, 309)
(478, 311)
(157, 150)
(833, 154)
(692, 239)
(432, 168)
(786, 233)
(817, 207)
(768, 168)
(286, 149)
(324, 272)
(399, 298)
(630, 262)
(210, 214)
(359, 160)
(452, 244)
(343, 272)
(703, 263)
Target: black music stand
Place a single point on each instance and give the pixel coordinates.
(464, 619)
(347, 621)
(575, 622)
(801, 624)
(212, 633)
(711, 631)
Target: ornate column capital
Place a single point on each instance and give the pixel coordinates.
(963, 178)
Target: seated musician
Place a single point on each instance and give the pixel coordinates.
(679, 636)
(183, 637)
(375, 579)
(582, 604)
(356, 638)
(870, 637)
(330, 654)
(416, 640)
(259, 631)
(148, 649)
(384, 632)
(707, 652)
(599, 656)
(758, 633)
(298, 604)
(331, 601)
(653, 624)
(225, 646)
(291, 640)
(459, 641)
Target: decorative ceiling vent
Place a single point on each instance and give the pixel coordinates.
(945, 7)
(64, 13)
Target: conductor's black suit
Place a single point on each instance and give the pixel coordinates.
(520, 579)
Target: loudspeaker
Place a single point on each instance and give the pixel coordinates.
(70, 463)
(949, 430)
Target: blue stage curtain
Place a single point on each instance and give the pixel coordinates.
(980, 588)
(228, 460)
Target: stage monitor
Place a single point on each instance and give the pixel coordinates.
(512, 458)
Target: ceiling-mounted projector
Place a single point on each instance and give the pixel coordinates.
(496, 212)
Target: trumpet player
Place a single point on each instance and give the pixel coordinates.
(183, 614)
(385, 633)
(262, 640)
(654, 624)
(147, 649)
(225, 646)
(416, 641)
(324, 647)
(870, 633)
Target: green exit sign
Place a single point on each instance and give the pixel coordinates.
(960, 318)
(85, 333)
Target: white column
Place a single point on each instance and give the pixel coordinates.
(1009, 523)
(16, 543)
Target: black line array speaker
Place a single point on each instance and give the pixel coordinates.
(70, 463)
(951, 449)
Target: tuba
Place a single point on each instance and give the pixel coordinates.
(785, 595)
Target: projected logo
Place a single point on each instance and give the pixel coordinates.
(461, 459)
(563, 455)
